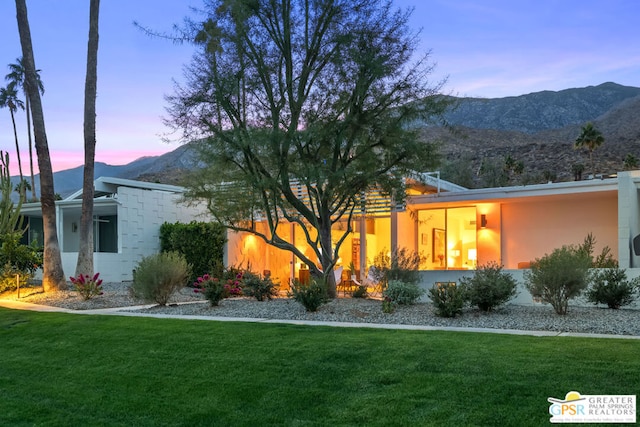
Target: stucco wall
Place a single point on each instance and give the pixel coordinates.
(531, 230)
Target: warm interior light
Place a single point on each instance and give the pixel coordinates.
(472, 254)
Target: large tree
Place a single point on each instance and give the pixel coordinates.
(9, 99)
(85, 254)
(300, 107)
(16, 76)
(53, 275)
(589, 138)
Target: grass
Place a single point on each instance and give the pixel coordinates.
(61, 369)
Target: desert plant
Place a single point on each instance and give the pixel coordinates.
(311, 295)
(260, 288)
(604, 259)
(611, 287)
(360, 292)
(447, 298)
(558, 277)
(403, 293)
(213, 289)
(402, 264)
(388, 305)
(87, 286)
(489, 287)
(157, 277)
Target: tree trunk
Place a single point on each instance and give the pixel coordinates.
(21, 188)
(327, 260)
(85, 253)
(34, 196)
(53, 275)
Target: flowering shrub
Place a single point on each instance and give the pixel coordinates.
(87, 286)
(215, 290)
(260, 288)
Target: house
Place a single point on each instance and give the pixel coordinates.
(127, 219)
(455, 229)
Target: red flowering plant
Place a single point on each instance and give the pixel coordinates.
(87, 286)
(215, 290)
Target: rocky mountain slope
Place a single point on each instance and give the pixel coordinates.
(538, 129)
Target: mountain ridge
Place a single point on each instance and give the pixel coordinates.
(538, 129)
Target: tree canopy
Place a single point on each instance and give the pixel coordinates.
(299, 107)
(589, 138)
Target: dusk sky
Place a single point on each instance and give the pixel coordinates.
(488, 48)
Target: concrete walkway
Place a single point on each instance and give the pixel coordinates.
(117, 311)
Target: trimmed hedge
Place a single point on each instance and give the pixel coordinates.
(201, 244)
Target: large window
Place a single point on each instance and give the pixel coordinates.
(447, 238)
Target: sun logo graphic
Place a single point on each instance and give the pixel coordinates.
(577, 408)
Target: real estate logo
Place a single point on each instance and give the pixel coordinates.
(577, 408)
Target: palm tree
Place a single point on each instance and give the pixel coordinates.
(85, 253)
(589, 138)
(9, 99)
(52, 273)
(16, 76)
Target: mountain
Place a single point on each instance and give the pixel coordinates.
(540, 111)
(538, 129)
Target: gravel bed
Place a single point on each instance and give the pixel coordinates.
(533, 318)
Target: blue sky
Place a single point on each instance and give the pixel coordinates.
(488, 48)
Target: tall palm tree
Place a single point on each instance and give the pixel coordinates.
(589, 138)
(9, 99)
(16, 76)
(52, 275)
(85, 253)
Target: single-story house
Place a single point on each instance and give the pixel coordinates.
(127, 219)
(455, 229)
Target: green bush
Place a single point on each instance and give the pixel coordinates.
(447, 298)
(311, 296)
(489, 287)
(17, 260)
(157, 277)
(402, 265)
(611, 287)
(201, 244)
(560, 276)
(260, 288)
(403, 293)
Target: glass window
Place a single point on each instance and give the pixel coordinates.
(447, 238)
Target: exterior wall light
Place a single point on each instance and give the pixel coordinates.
(483, 221)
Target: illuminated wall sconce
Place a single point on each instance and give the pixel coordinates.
(483, 221)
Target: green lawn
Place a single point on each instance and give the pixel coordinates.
(62, 370)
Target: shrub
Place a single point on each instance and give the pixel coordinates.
(311, 295)
(489, 287)
(388, 306)
(447, 298)
(17, 260)
(402, 265)
(87, 286)
(611, 287)
(360, 292)
(403, 293)
(213, 289)
(260, 288)
(157, 277)
(558, 277)
(201, 243)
